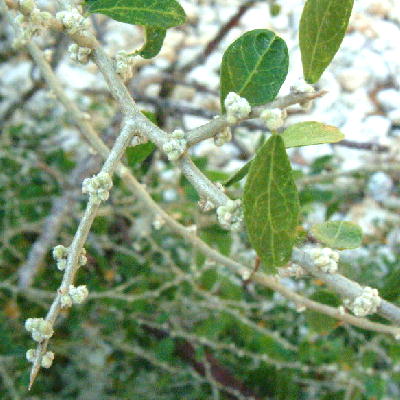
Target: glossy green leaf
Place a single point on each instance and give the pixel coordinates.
(154, 41)
(311, 133)
(338, 234)
(157, 13)
(139, 153)
(318, 322)
(322, 28)
(255, 67)
(271, 204)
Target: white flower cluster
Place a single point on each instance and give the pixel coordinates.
(79, 54)
(230, 215)
(73, 21)
(60, 254)
(325, 259)
(292, 271)
(175, 145)
(301, 87)
(31, 22)
(47, 359)
(223, 137)
(75, 295)
(124, 63)
(365, 304)
(98, 187)
(39, 328)
(273, 118)
(237, 108)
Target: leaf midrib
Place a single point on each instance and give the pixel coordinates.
(319, 31)
(254, 71)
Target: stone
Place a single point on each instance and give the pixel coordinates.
(353, 78)
(389, 99)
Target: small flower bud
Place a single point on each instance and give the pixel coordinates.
(39, 328)
(79, 54)
(60, 252)
(124, 64)
(47, 359)
(73, 21)
(273, 119)
(365, 304)
(230, 215)
(175, 145)
(31, 355)
(78, 294)
(31, 324)
(237, 108)
(83, 258)
(98, 187)
(325, 259)
(66, 301)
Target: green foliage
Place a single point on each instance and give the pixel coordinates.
(271, 204)
(310, 133)
(322, 28)
(156, 16)
(216, 237)
(239, 175)
(338, 234)
(255, 67)
(301, 134)
(318, 322)
(154, 40)
(156, 13)
(137, 154)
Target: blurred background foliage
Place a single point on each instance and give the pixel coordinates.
(162, 321)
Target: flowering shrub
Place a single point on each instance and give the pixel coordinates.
(170, 278)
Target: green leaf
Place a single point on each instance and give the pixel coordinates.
(318, 322)
(311, 133)
(150, 115)
(216, 237)
(271, 204)
(139, 153)
(238, 175)
(157, 13)
(154, 41)
(242, 172)
(255, 67)
(322, 28)
(301, 134)
(338, 234)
